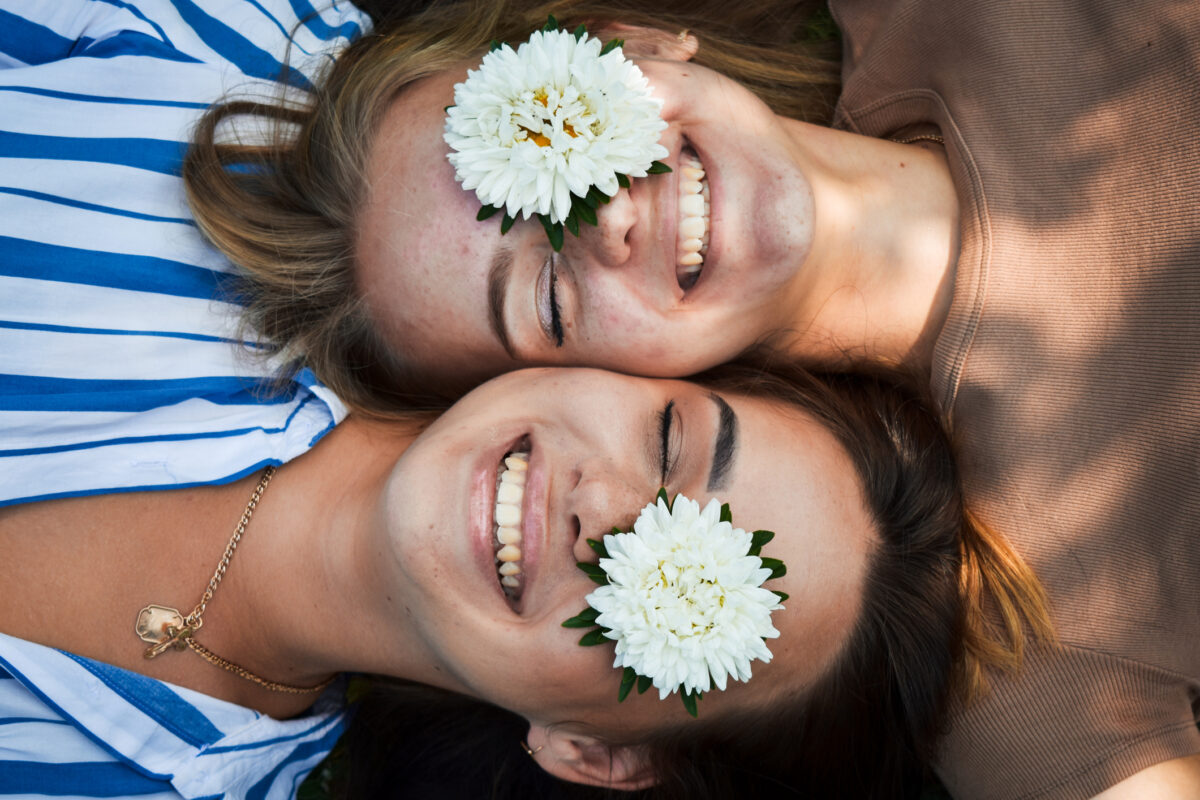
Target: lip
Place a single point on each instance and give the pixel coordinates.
(657, 201)
(534, 514)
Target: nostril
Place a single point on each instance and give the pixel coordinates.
(578, 527)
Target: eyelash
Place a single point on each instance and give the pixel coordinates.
(556, 327)
(665, 418)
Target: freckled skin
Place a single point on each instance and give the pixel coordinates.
(622, 306)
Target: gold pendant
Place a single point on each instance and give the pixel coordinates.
(162, 627)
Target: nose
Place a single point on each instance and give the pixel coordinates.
(608, 241)
(600, 500)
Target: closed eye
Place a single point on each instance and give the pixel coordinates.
(549, 311)
(668, 446)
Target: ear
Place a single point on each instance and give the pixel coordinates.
(651, 42)
(580, 758)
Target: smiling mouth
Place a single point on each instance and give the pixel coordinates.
(506, 531)
(694, 210)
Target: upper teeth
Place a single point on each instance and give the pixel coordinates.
(694, 212)
(510, 492)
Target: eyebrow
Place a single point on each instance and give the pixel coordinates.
(497, 282)
(725, 445)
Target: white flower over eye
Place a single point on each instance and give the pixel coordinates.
(553, 128)
(682, 597)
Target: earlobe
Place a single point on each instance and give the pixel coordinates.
(580, 758)
(643, 42)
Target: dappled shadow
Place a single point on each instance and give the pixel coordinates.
(1073, 137)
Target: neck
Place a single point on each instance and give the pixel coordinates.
(300, 599)
(304, 606)
(879, 279)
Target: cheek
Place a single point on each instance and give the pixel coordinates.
(671, 347)
(548, 678)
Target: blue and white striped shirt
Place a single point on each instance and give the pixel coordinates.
(118, 366)
(76, 728)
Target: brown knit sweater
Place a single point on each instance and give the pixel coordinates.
(1069, 365)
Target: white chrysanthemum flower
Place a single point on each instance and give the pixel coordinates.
(553, 118)
(684, 600)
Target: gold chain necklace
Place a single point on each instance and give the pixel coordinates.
(165, 628)
(921, 137)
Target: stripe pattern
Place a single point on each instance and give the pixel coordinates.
(112, 307)
(120, 363)
(75, 728)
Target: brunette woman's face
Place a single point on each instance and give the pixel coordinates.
(599, 445)
(460, 302)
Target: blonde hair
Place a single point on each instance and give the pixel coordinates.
(284, 210)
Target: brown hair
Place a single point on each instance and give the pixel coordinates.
(284, 210)
(868, 726)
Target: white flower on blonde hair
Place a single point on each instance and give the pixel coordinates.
(553, 129)
(682, 597)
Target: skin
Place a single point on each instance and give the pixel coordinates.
(841, 245)
(1177, 779)
(389, 569)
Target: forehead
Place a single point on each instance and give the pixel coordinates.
(800, 483)
(422, 257)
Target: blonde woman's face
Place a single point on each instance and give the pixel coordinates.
(460, 302)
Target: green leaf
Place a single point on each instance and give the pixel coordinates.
(759, 538)
(644, 683)
(628, 678)
(598, 547)
(689, 702)
(623, 181)
(586, 213)
(726, 514)
(593, 571)
(487, 211)
(493, 46)
(551, 24)
(657, 168)
(554, 231)
(584, 619)
(662, 495)
(783, 596)
(593, 638)
(616, 530)
(572, 223)
(579, 32)
(611, 45)
(595, 197)
(777, 567)
(506, 223)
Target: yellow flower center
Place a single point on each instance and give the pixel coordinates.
(537, 137)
